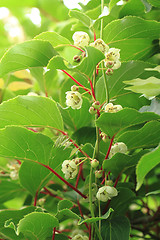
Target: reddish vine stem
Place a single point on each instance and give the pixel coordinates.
(76, 81)
(117, 179)
(110, 145)
(92, 89)
(105, 177)
(51, 194)
(54, 232)
(35, 198)
(61, 232)
(81, 213)
(79, 174)
(77, 47)
(63, 180)
(126, 178)
(94, 36)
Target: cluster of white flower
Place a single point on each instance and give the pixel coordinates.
(112, 55)
(106, 193)
(112, 108)
(74, 98)
(79, 237)
(14, 167)
(118, 147)
(69, 168)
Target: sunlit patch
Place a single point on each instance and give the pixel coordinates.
(4, 12)
(34, 16)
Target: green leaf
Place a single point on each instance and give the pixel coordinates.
(33, 53)
(86, 66)
(120, 162)
(30, 111)
(133, 36)
(157, 68)
(146, 164)
(100, 90)
(127, 71)
(149, 87)
(64, 204)
(95, 219)
(66, 214)
(112, 123)
(154, 3)
(85, 135)
(153, 193)
(54, 38)
(146, 137)
(112, 3)
(9, 190)
(121, 202)
(20, 143)
(37, 226)
(117, 228)
(87, 21)
(133, 7)
(76, 119)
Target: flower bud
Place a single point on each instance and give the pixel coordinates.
(105, 193)
(109, 183)
(77, 58)
(118, 147)
(92, 110)
(94, 163)
(70, 169)
(109, 64)
(96, 104)
(98, 173)
(117, 65)
(74, 88)
(81, 39)
(109, 72)
(73, 99)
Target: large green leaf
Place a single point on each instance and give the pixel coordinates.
(54, 38)
(9, 190)
(146, 164)
(86, 66)
(30, 111)
(149, 87)
(116, 229)
(37, 226)
(132, 8)
(155, 3)
(120, 162)
(133, 36)
(33, 53)
(146, 137)
(112, 123)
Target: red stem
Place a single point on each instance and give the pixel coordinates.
(76, 81)
(19, 162)
(35, 199)
(105, 177)
(92, 89)
(126, 178)
(77, 47)
(109, 149)
(81, 213)
(94, 36)
(61, 232)
(63, 180)
(51, 194)
(54, 232)
(117, 179)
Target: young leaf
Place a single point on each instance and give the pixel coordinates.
(30, 111)
(149, 87)
(87, 21)
(64, 204)
(33, 53)
(37, 226)
(146, 137)
(146, 164)
(154, 3)
(54, 38)
(117, 228)
(112, 123)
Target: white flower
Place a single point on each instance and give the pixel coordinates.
(113, 54)
(73, 99)
(118, 147)
(79, 237)
(105, 193)
(14, 167)
(112, 108)
(100, 45)
(81, 39)
(70, 169)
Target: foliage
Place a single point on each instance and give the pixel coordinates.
(79, 120)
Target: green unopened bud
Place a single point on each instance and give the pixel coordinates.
(74, 88)
(96, 104)
(109, 64)
(77, 58)
(98, 173)
(109, 72)
(109, 183)
(92, 110)
(94, 163)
